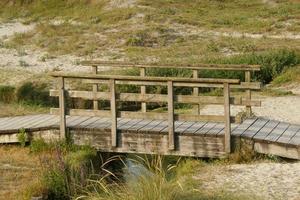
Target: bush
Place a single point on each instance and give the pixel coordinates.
(35, 93)
(7, 93)
(272, 62)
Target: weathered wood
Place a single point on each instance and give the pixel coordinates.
(147, 115)
(62, 106)
(248, 93)
(289, 134)
(196, 108)
(227, 117)
(178, 66)
(113, 108)
(157, 98)
(171, 140)
(95, 88)
(263, 132)
(277, 149)
(143, 89)
(255, 128)
(145, 80)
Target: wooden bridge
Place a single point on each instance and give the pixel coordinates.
(127, 120)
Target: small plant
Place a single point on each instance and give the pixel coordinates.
(23, 63)
(7, 93)
(22, 137)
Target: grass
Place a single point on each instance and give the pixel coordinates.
(22, 170)
(15, 109)
(290, 75)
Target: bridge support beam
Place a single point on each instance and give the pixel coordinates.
(227, 118)
(171, 138)
(113, 108)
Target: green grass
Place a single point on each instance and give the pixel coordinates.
(290, 75)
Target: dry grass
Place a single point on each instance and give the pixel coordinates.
(15, 109)
(18, 170)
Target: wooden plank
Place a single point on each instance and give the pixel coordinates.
(264, 132)
(140, 125)
(184, 126)
(255, 128)
(295, 140)
(19, 122)
(88, 122)
(171, 130)
(147, 79)
(205, 129)
(288, 134)
(62, 109)
(248, 93)
(178, 66)
(113, 108)
(195, 127)
(239, 130)
(196, 108)
(277, 132)
(99, 124)
(226, 92)
(143, 89)
(78, 121)
(277, 149)
(157, 98)
(176, 125)
(70, 119)
(95, 88)
(163, 125)
(39, 122)
(129, 124)
(54, 121)
(216, 130)
(150, 126)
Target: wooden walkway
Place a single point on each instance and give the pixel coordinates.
(262, 132)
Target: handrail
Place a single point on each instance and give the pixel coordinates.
(150, 79)
(241, 67)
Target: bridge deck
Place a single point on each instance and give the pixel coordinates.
(265, 133)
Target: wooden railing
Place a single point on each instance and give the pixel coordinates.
(248, 85)
(170, 98)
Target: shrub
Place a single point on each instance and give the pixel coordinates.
(273, 63)
(7, 93)
(35, 93)
(22, 137)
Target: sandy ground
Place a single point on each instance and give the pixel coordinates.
(267, 181)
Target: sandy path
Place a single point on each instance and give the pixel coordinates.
(268, 181)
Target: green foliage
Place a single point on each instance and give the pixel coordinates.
(276, 92)
(289, 75)
(22, 137)
(67, 169)
(7, 93)
(272, 62)
(35, 94)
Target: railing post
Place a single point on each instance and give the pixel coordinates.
(95, 88)
(143, 89)
(227, 117)
(113, 108)
(196, 92)
(171, 141)
(62, 108)
(248, 93)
